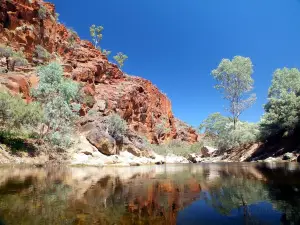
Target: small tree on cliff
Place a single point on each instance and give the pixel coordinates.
(106, 52)
(96, 34)
(6, 52)
(235, 81)
(120, 58)
(12, 58)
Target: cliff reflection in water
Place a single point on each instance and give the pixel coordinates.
(178, 194)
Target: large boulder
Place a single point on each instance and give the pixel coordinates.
(207, 151)
(102, 141)
(194, 158)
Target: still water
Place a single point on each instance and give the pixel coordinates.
(173, 194)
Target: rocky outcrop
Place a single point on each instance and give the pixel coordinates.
(137, 100)
(103, 142)
(208, 151)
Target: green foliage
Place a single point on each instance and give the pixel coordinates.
(43, 12)
(57, 17)
(116, 126)
(96, 34)
(5, 51)
(282, 112)
(12, 58)
(177, 147)
(222, 134)
(162, 128)
(106, 52)
(18, 59)
(215, 124)
(72, 36)
(88, 100)
(57, 93)
(42, 53)
(120, 58)
(15, 113)
(234, 81)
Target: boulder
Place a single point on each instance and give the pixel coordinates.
(207, 151)
(102, 141)
(173, 159)
(288, 156)
(194, 158)
(271, 159)
(132, 149)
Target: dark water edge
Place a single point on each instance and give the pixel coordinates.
(220, 193)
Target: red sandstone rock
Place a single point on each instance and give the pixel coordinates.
(139, 102)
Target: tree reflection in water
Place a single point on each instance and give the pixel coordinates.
(144, 195)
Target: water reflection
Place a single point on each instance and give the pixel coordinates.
(173, 194)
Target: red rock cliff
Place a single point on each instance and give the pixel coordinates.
(140, 103)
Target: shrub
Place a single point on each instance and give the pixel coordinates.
(88, 100)
(161, 128)
(57, 93)
(42, 53)
(177, 147)
(15, 113)
(43, 12)
(12, 58)
(116, 126)
(120, 58)
(72, 36)
(223, 134)
(18, 59)
(106, 52)
(6, 52)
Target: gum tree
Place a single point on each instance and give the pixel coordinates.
(120, 58)
(96, 34)
(234, 78)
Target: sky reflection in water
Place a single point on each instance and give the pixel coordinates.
(173, 194)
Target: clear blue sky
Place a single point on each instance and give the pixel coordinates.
(176, 43)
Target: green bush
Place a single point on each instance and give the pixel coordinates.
(13, 58)
(116, 126)
(57, 93)
(88, 100)
(161, 128)
(106, 52)
(15, 113)
(42, 53)
(43, 12)
(223, 134)
(177, 147)
(120, 58)
(72, 36)
(18, 59)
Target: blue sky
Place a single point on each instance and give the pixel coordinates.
(176, 43)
